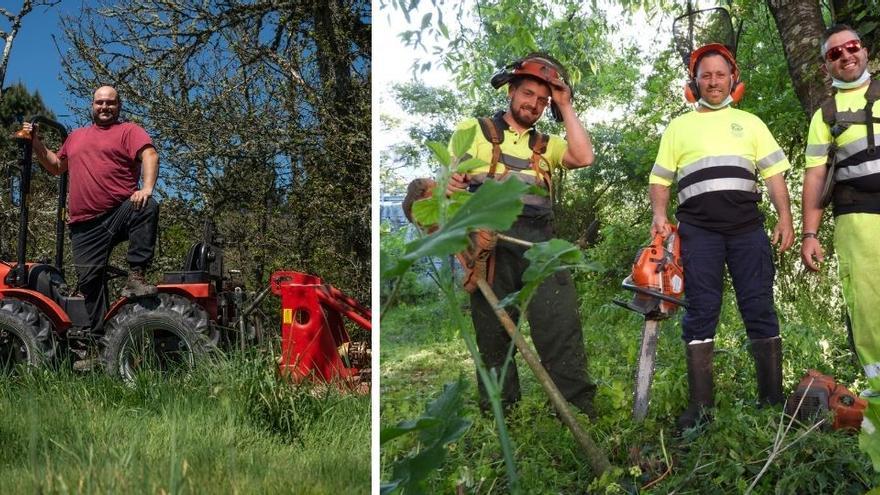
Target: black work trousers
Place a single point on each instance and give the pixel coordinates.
(553, 318)
(93, 240)
(749, 260)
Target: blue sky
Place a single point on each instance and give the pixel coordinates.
(35, 62)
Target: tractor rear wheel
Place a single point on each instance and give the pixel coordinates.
(25, 335)
(165, 333)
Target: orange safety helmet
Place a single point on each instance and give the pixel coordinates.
(537, 66)
(692, 90)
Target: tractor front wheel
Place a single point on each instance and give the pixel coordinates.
(166, 333)
(25, 335)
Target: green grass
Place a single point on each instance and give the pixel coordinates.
(419, 353)
(231, 427)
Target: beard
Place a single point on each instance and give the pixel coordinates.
(523, 117)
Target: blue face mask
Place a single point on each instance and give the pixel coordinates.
(837, 83)
(727, 101)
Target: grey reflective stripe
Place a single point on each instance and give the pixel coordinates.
(817, 149)
(712, 185)
(771, 159)
(514, 162)
(854, 147)
(715, 161)
(663, 173)
(855, 171)
(531, 180)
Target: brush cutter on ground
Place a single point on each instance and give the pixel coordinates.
(657, 281)
(816, 394)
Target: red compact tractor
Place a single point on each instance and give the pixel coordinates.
(196, 310)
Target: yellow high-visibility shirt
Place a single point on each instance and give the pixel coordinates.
(715, 158)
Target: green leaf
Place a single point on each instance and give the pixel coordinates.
(462, 140)
(547, 258)
(494, 206)
(427, 211)
(440, 425)
(403, 427)
(470, 164)
(443, 29)
(426, 20)
(456, 201)
(440, 152)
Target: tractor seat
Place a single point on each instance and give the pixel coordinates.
(47, 280)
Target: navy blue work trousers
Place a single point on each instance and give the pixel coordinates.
(749, 260)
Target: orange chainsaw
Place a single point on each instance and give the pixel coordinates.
(657, 280)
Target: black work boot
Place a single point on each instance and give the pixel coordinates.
(700, 384)
(136, 285)
(768, 370)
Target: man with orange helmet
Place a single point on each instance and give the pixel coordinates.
(715, 155)
(513, 148)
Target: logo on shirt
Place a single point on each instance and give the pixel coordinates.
(736, 129)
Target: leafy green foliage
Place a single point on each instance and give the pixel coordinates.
(439, 426)
(410, 287)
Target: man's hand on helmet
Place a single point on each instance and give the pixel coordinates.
(560, 92)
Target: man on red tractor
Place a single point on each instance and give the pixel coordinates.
(106, 206)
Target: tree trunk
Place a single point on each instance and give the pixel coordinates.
(800, 28)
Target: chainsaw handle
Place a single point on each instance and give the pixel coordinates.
(673, 244)
(670, 242)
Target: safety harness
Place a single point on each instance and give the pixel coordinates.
(846, 198)
(477, 259)
(538, 141)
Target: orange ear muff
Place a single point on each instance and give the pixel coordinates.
(691, 91)
(737, 91)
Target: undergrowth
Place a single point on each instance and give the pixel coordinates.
(420, 352)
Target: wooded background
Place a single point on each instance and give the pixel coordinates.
(260, 112)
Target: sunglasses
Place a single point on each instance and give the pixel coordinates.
(852, 46)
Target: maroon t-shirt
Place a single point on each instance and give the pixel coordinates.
(103, 167)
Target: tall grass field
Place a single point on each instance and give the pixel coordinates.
(232, 426)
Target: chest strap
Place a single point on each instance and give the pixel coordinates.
(537, 143)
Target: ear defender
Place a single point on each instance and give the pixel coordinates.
(691, 91)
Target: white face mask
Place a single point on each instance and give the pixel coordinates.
(727, 101)
(837, 83)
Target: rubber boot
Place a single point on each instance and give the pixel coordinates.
(700, 384)
(768, 370)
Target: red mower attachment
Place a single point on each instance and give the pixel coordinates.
(314, 342)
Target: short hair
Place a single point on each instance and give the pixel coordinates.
(709, 54)
(831, 31)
